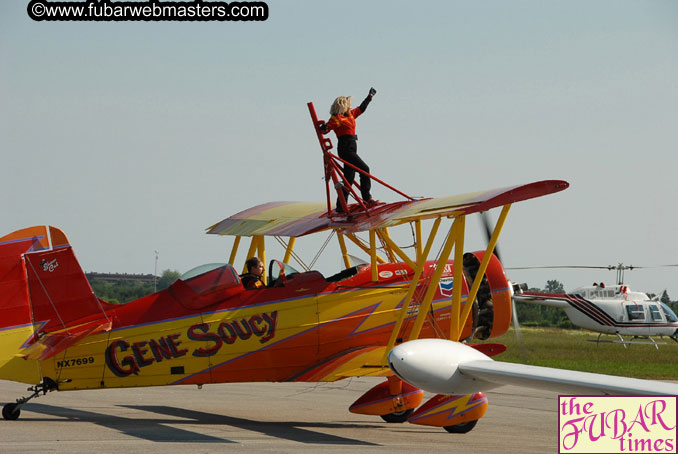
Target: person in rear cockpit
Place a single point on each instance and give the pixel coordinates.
(253, 278)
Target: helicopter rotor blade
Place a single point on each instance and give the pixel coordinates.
(561, 267)
(621, 266)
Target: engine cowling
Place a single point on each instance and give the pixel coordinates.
(491, 313)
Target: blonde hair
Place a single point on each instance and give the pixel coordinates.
(341, 105)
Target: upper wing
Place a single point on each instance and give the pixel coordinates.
(296, 219)
(275, 219)
(459, 205)
(447, 367)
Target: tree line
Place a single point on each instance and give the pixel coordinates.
(538, 315)
(123, 291)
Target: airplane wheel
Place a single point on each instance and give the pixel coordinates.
(462, 428)
(398, 416)
(10, 412)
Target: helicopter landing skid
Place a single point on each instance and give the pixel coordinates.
(626, 342)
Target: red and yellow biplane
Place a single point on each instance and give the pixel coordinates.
(55, 334)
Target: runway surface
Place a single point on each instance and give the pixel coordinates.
(262, 417)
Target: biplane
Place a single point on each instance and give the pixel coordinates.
(206, 328)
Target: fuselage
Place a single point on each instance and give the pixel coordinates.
(209, 329)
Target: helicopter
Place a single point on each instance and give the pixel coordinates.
(610, 309)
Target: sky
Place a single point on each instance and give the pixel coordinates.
(134, 137)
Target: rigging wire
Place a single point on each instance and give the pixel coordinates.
(422, 287)
(293, 254)
(322, 248)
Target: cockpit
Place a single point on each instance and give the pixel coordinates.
(657, 312)
(670, 315)
(280, 274)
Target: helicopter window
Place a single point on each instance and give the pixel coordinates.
(605, 293)
(635, 312)
(655, 314)
(670, 315)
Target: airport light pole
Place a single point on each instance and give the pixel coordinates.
(155, 274)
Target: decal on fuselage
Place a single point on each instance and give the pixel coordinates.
(446, 284)
(214, 335)
(49, 266)
(75, 362)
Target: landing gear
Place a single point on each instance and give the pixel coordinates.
(462, 428)
(398, 416)
(633, 340)
(11, 412)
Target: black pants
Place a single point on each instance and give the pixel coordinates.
(347, 148)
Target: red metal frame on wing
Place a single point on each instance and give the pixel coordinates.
(334, 172)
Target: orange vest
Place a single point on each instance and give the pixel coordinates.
(344, 124)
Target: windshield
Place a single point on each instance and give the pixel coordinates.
(670, 315)
(198, 270)
(277, 266)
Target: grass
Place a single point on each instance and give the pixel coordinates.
(570, 349)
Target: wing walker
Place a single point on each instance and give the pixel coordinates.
(55, 334)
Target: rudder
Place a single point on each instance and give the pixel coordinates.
(45, 298)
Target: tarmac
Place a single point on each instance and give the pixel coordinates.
(261, 417)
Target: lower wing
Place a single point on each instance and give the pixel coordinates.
(446, 367)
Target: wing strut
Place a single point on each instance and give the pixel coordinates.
(483, 264)
(459, 314)
(410, 293)
(455, 236)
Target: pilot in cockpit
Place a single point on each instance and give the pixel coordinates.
(253, 278)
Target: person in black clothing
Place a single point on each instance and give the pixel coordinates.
(342, 122)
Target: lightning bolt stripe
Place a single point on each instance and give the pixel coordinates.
(388, 399)
(231, 360)
(455, 407)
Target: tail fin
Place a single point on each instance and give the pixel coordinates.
(43, 287)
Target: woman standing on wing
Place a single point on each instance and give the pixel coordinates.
(342, 122)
